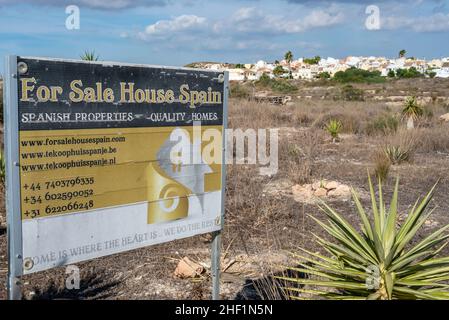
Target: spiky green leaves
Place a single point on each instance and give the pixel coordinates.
(378, 262)
(412, 109)
(89, 56)
(334, 127)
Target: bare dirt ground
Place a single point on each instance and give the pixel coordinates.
(263, 219)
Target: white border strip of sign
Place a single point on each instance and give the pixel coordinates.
(123, 64)
(11, 142)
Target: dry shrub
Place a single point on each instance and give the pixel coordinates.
(435, 139)
(238, 90)
(252, 114)
(297, 157)
(302, 118)
(271, 286)
(382, 164)
(445, 107)
(384, 124)
(242, 194)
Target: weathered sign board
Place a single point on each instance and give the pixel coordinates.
(90, 168)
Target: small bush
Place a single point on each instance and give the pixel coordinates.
(433, 139)
(238, 91)
(324, 75)
(278, 85)
(358, 75)
(302, 118)
(431, 74)
(314, 60)
(408, 73)
(264, 80)
(385, 124)
(297, 159)
(283, 86)
(446, 107)
(349, 93)
(427, 112)
(350, 124)
(382, 165)
(279, 70)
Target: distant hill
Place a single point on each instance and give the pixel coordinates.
(202, 64)
(199, 64)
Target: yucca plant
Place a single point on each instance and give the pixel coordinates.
(401, 147)
(89, 56)
(334, 128)
(397, 154)
(412, 111)
(380, 262)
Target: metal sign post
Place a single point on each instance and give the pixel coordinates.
(216, 240)
(14, 223)
(215, 265)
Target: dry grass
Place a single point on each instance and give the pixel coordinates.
(258, 222)
(433, 139)
(354, 116)
(298, 155)
(382, 164)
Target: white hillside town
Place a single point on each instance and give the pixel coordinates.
(309, 69)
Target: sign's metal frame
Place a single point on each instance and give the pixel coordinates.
(13, 207)
(11, 141)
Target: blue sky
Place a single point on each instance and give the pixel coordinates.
(176, 32)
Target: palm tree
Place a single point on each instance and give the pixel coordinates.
(89, 56)
(412, 111)
(289, 57)
(402, 53)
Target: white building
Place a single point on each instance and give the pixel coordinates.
(301, 70)
(442, 73)
(236, 74)
(302, 73)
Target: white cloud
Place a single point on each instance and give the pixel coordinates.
(166, 28)
(245, 29)
(95, 4)
(245, 21)
(252, 20)
(434, 23)
(321, 18)
(111, 4)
